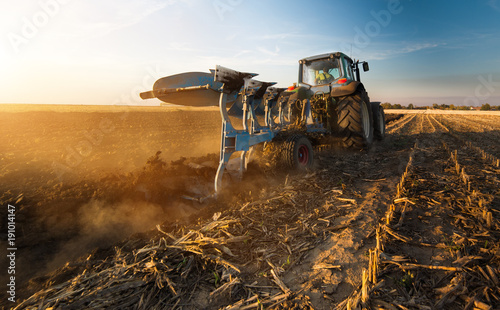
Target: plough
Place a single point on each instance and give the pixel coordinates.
(328, 100)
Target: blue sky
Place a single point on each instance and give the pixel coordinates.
(106, 52)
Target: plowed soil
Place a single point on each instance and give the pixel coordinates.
(106, 216)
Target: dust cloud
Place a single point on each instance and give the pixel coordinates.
(85, 181)
(100, 225)
(137, 203)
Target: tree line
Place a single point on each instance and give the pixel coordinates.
(435, 106)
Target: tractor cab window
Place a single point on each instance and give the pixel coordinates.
(348, 69)
(321, 72)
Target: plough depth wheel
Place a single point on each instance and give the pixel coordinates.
(298, 152)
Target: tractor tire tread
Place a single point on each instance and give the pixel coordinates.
(288, 150)
(350, 120)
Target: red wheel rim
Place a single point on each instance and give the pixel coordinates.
(303, 155)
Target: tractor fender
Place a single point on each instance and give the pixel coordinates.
(346, 90)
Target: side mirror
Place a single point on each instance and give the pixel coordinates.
(365, 67)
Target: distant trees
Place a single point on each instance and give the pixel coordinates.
(386, 105)
(442, 106)
(411, 106)
(485, 107)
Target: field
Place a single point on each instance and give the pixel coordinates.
(105, 220)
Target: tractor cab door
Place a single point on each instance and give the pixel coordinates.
(347, 66)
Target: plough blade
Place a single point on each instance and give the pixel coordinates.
(262, 88)
(232, 80)
(195, 89)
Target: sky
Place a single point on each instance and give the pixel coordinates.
(107, 52)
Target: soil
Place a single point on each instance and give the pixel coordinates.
(275, 239)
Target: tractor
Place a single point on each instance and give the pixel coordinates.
(328, 102)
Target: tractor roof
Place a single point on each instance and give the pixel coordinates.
(323, 56)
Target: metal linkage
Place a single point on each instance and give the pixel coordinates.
(282, 102)
(254, 93)
(270, 100)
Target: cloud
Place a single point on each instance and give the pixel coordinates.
(410, 48)
(181, 47)
(92, 19)
(241, 53)
(268, 52)
(494, 4)
(277, 36)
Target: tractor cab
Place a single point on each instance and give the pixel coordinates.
(334, 70)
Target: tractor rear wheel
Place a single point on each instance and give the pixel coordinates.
(298, 152)
(355, 120)
(378, 121)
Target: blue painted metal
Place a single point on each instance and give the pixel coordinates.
(233, 140)
(237, 95)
